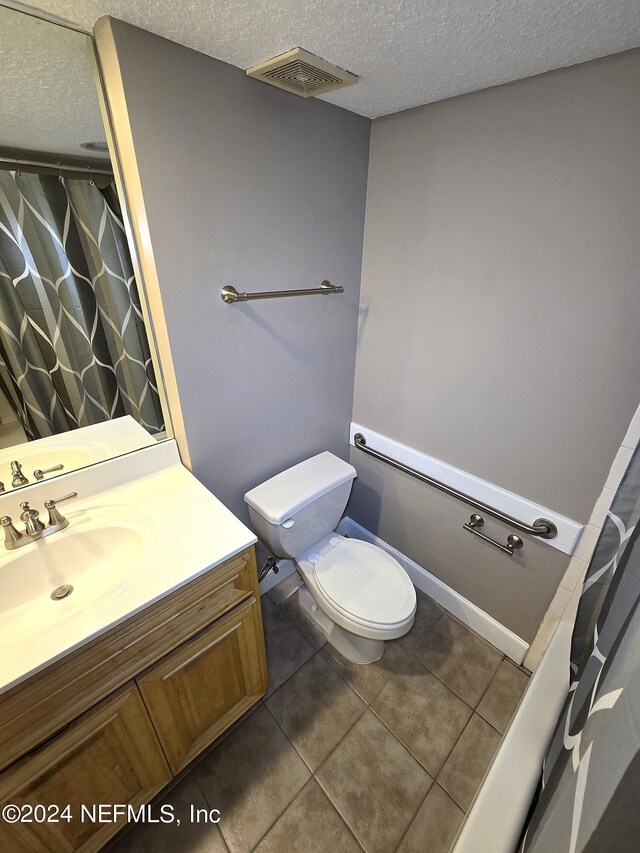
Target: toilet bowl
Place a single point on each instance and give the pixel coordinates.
(355, 593)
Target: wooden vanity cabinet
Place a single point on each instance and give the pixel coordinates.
(110, 755)
(196, 692)
(113, 722)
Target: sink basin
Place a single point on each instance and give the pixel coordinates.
(100, 555)
(140, 528)
(71, 453)
(75, 449)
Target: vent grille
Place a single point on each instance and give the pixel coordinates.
(302, 74)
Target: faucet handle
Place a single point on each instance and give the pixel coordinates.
(39, 472)
(11, 535)
(56, 517)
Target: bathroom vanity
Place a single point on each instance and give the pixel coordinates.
(111, 702)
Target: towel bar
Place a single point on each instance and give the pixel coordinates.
(229, 294)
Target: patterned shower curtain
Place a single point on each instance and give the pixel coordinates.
(589, 797)
(73, 346)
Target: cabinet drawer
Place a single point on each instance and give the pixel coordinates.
(33, 711)
(109, 755)
(198, 690)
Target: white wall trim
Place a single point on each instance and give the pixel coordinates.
(514, 505)
(463, 609)
(115, 116)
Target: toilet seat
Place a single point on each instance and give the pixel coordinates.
(365, 584)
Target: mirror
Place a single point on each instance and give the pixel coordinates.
(77, 381)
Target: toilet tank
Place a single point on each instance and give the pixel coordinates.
(299, 506)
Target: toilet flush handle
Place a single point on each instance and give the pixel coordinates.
(288, 523)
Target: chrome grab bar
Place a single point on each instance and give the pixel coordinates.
(513, 540)
(230, 294)
(541, 526)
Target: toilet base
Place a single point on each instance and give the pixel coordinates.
(351, 646)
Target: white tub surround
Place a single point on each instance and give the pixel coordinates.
(142, 526)
(498, 813)
(495, 496)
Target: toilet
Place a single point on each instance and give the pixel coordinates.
(355, 593)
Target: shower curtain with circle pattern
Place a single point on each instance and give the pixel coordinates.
(589, 796)
(73, 346)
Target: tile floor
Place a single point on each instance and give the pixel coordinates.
(385, 757)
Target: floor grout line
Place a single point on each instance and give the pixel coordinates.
(314, 772)
(415, 814)
(366, 706)
(442, 681)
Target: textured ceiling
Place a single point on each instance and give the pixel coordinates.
(407, 52)
(48, 99)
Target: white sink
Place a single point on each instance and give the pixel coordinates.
(97, 561)
(75, 449)
(140, 527)
(71, 452)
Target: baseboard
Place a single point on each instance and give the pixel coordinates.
(486, 626)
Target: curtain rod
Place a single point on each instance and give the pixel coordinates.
(12, 161)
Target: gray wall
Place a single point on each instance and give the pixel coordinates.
(247, 185)
(500, 309)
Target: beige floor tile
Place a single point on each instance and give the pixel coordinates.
(287, 649)
(309, 825)
(375, 784)
(423, 713)
(315, 708)
(499, 703)
(251, 777)
(368, 679)
(427, 614)
(165, 838)
(435, 826)
(465, 768)
(459, 658)
(292, 611)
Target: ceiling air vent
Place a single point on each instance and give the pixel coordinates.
(302, 73)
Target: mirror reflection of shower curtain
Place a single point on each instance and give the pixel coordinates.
(73, 345)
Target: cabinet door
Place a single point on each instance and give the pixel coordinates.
(198, 690)
(110, 755)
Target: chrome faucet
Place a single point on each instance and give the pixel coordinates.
(34, 529)
(18, 477)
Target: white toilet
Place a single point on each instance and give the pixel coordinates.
(356, 594)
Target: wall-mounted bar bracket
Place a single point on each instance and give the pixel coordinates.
(229, 294)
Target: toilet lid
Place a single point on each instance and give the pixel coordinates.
(365, 582)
